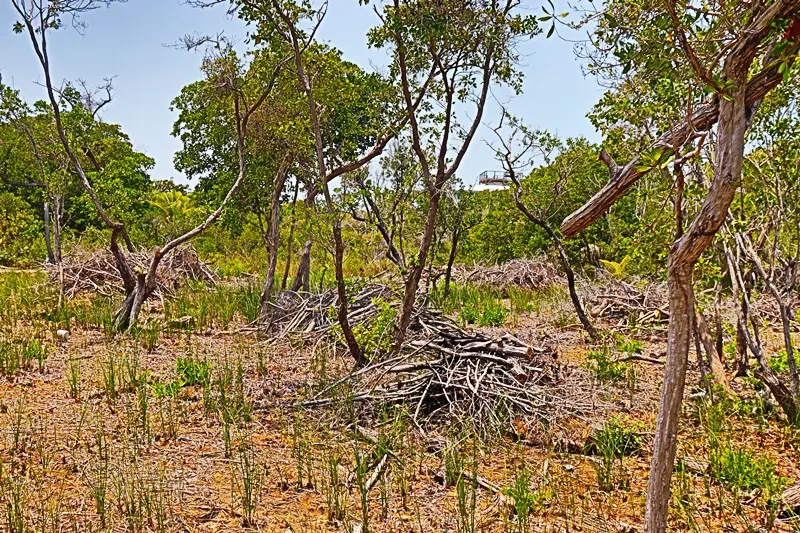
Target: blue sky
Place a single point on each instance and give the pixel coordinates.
(130, 42)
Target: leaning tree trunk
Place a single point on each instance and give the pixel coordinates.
(562, 254)
(731, 130)
(451, 259)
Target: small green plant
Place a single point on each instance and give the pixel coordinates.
(35, 350)
(109, 372)
(604, 367)
(166, 390)
(74, 378)
(362, 469)
(738, 468)
(525, 500)
(779, 362)
(375, 336)
(335, 493)
(18, 356)
(148, 335)
(612, 443)
(466, 485)
(262, 368)
(493, 314)
(144, 498)
(521, 300)
(168, 410)
(469, 314)
(131, 373)
(248, 478)
(193, 372)
(629, 346)
(301, 452)
(98, 478)
(15, 491)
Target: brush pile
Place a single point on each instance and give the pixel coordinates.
(442, 371)
(524, 273)
(629, 304)
(309, 313)
(97, 271)
(491, 383)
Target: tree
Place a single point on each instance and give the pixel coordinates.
(295, 23)
(37, 19)
(450, 53)
(719, 47)
(513, 158)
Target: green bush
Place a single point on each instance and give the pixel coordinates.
(611, 443)
(21, 236)
(375, 336)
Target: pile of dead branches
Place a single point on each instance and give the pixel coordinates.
(97, 271)
(629, 304)
(524, 273)
(309, 313)
(445, 372)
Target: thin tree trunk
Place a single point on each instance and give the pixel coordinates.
(338, 241)
(273, 239)
(51, 258)
(562, 254)
(718, 331)
(415, 272)
(290, 242)
(453, 253)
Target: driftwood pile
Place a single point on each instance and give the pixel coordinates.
(442, 371)
(629, 304)
(97, 271)
(524, 273)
